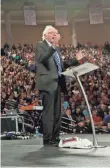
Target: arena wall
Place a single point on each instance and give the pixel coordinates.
(85, 33)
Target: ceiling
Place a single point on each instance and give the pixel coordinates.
(45, 9)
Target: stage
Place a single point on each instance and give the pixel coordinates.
(31, 153)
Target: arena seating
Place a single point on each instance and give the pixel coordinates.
(18, 83)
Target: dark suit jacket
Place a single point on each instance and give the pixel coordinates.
(46, 68)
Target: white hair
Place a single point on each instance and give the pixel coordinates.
(46, 31)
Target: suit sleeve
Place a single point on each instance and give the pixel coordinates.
(71, 62)
(42, 53)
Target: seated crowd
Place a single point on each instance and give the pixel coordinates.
(18, 84)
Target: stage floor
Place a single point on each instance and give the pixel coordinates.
(31, 153)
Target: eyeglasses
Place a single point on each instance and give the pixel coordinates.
(52, 33)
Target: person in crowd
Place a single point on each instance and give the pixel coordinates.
(98, 122)
(107, 118)
(6, 46)
(68, 124)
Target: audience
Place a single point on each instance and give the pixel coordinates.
(18, 82)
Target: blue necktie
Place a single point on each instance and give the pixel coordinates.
(57, 60)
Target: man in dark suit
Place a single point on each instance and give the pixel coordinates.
(50, 82)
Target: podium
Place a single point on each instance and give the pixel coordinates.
(76, 72)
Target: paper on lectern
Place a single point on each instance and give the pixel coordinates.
(81, 69)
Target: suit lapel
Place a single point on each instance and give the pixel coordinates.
(46, 44)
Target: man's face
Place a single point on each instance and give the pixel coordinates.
(68, 112)
(94, 112)
(77, 110)
(52, 33)
(102, 106)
